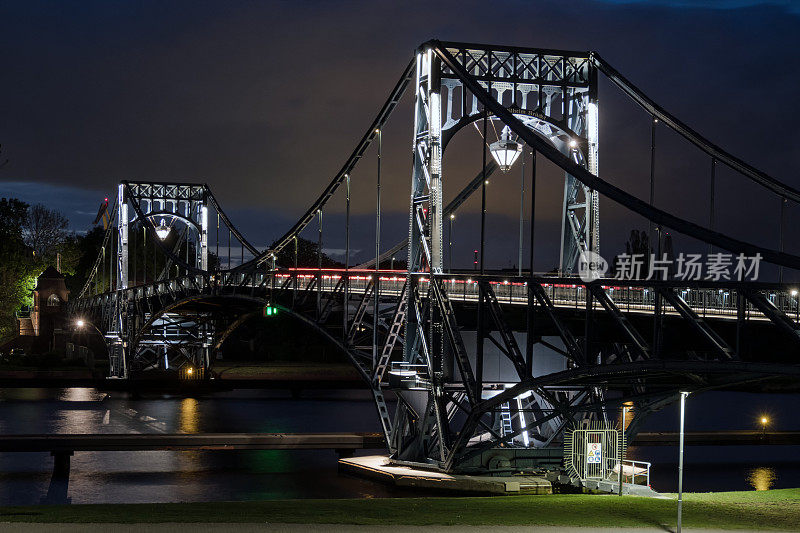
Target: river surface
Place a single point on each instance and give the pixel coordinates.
(166, 476)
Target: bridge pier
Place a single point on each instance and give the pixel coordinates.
(345, 453)
(59, 481)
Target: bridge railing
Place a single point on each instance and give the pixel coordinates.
(711, 299)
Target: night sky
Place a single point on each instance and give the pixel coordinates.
(265, 100)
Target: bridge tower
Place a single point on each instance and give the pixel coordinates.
(169, 221)
(554, 93)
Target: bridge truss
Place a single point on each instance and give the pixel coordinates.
(485, 371)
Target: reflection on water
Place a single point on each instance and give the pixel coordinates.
(164, 476)
(762, 478)
(188, 416)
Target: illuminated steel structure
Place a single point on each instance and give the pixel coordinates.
(553, 93)
(494, 389)
(169, 224)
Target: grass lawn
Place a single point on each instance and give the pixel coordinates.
(775, 510)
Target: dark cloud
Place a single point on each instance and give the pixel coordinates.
(265, 100)
(790, 5)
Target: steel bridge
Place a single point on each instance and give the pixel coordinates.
(469, 370)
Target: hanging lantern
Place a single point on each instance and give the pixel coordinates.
(505, 151)
(162, 230)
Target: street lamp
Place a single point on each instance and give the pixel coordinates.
(505, 151)
(162, 230)
(622, 457)
(764, 422)
(450, 244)
(81, 323)
(680, 461)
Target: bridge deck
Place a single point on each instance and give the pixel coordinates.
(319, 441)
(198, 441)
(565, 293)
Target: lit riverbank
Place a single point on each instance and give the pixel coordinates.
(758, 510)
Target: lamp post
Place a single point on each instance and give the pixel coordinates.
(81, 323)
(521, 214)
(622, 436)
(764, 422)
(450, 244)
(680, 461)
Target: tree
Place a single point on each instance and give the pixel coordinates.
(307, 255)
(79, 254)
(13, 214)
(638, 244)
(44, 231)
(17, 271)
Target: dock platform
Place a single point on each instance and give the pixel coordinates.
(378, 468)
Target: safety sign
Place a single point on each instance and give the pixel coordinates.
(594, 453)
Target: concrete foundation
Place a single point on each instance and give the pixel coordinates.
(378, 468)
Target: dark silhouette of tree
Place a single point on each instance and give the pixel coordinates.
(307, 256)
(44, 231)
(86, 248)
(13, 214)
(638, 244)
(17, 270)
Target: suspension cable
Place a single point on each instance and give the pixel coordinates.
(603, 187)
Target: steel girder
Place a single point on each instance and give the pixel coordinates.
(554, 94)
(548, 404)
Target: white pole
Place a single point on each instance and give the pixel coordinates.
(521, 212)
(376, 283)
(680, 461)
(622, 456)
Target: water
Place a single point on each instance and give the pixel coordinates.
(712, 468)
(164, 476)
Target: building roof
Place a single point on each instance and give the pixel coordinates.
(50, 273)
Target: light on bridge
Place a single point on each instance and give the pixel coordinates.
(505, 151)
(163, 230)
(80, 323)
(270, 310)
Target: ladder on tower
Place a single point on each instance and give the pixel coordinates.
(506, 427)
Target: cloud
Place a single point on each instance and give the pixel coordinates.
(340, 252)
(66, 199)
(232, 94)
(789, 5)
